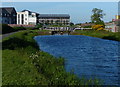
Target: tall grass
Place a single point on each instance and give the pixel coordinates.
(100, 34)
(24, 64)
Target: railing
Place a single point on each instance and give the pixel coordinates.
(58, 29)
(82, 29)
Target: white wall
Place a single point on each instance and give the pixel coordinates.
(112, 26)
(28, 19)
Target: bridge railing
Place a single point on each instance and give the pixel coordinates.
(58, 28)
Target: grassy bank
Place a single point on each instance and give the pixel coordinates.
(99, 34)
(24, 64)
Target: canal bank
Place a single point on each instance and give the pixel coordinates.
(24, 64)
(100, 34)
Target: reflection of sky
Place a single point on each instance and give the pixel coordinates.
(79, 11)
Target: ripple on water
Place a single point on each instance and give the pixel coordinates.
(88, 56)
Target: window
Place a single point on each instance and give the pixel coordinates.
(25, 18)
(33, 15)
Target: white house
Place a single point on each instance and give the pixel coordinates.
(26, 17)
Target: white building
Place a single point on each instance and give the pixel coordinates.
(110, 27)
(27, 17)
(114, 26)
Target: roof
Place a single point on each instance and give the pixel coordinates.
(7, 10)
(54, 15)
(29, 11)
(25, 10)
(2, 10)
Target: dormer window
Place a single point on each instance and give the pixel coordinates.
(33, 15)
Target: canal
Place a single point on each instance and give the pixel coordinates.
(87, 56)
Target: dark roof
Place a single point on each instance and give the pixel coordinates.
(2, 10)
(25, 10)
(29, 11)
(7, 10)
(54, 15)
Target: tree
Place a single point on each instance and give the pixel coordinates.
(51, 21)
(40, 25)
(57, 22)
(71, 24)
(97, 16)
(47, 22)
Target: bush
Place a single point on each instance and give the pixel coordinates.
(39, 25)
(6, 29)
(87, 26)
(98, 27)
(29, 28)
(19, 28)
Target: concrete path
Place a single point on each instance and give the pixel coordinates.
(6, 35)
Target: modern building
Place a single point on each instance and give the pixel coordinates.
(8, 15)
(54, 19)
(27, 17)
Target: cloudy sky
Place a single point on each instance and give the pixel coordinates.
(80, 12)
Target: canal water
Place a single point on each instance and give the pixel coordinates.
(87, 56)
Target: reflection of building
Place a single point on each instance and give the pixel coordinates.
(27, 17)
(8, 15)
(54, 19)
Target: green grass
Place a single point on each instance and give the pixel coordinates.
(99, 34)
(24, 64)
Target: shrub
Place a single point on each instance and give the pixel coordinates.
(30, 28)
(98, 27)
(87, 26)
(19, 28)
(6, 29)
